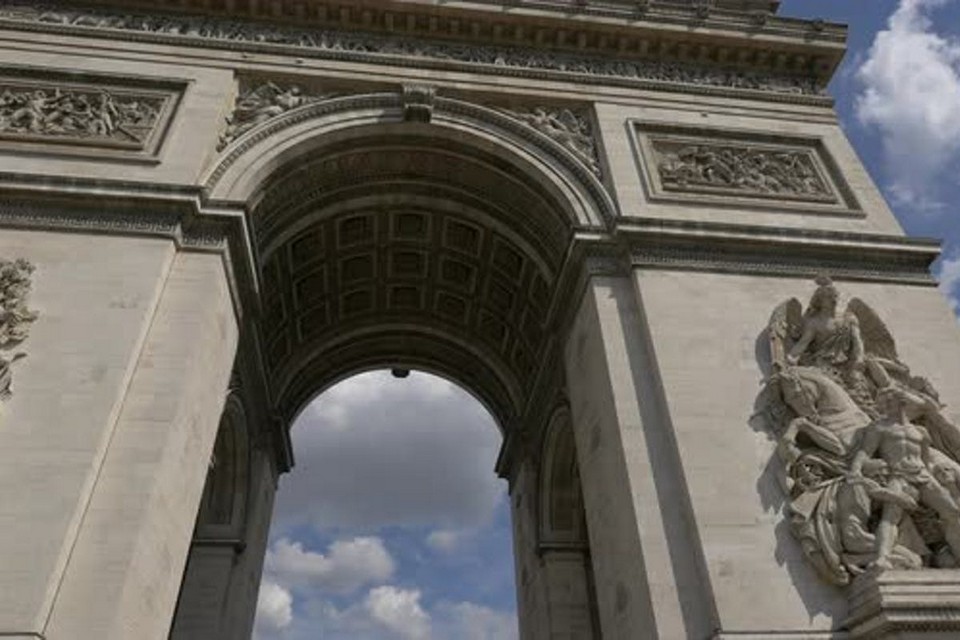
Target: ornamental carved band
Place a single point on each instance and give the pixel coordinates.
(15, 317)
(870, 462)
(360, 45)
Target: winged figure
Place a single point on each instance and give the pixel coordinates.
(259, 103)
(870, 462)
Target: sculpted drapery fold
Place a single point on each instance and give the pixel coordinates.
(870, 463)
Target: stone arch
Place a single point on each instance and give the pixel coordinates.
(563, 543)
(562, 519)
(443, 242)
(438, 241)
(246, 164)
(224, 503)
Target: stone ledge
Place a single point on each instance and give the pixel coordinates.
(894, 602)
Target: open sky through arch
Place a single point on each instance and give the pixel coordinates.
(393, 524)
(430, 557)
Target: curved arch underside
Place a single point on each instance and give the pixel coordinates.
(409, 250)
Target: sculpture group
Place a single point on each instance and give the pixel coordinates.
(15, 316)
(76, 113)
(733, 168)
(870, 461)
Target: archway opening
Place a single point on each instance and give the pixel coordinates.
(392, 524)
(445, 247)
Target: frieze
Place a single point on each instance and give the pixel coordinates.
(15, 317)
(568, 128)
(740, 169)
(726, 167)
(98, 115)
(39, 107)
(345, 44)
(869, 460)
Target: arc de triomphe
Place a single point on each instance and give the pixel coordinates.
(604, 219)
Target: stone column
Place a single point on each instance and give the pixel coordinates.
(106, 438)
(649, 581)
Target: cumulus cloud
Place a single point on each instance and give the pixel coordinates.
(911, 93)
(948, 275)
(470, 621)
(274, 609)
(399, 611)
(444, 540)
(378, 451)
(347, 565)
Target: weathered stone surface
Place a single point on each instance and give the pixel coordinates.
(594, 207)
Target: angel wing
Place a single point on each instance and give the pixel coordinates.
(877, 340)
(784, 328)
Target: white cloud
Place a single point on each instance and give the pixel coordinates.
(274, 608)
(911, 93)
(444, 540)
(347, 565)
(948, 275)
(399, 611)
(469, 621)
(376, 451)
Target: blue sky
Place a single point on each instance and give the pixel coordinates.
(898, 98)
(393, 525)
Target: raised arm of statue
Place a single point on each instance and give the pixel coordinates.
(798, 349)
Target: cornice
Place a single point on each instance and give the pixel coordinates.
(752, 250)
(663, 46)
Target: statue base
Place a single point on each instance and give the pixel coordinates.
(905, 605)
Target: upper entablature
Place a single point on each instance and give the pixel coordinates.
(742, 36)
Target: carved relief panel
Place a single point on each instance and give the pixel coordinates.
(868, 458)
(692, 165)
(89, 115)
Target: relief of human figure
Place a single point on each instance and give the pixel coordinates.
(832, 378)
(905, 449)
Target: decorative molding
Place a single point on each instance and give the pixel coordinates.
(46, 111)
(567, 127)
(15, 316)
(894, 602)
(262, 100)
(686, 65)
(746, 169)
(658, 244)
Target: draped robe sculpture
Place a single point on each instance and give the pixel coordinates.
(871, 465)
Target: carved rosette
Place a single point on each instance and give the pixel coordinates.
(15, 316)
(869, 460)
